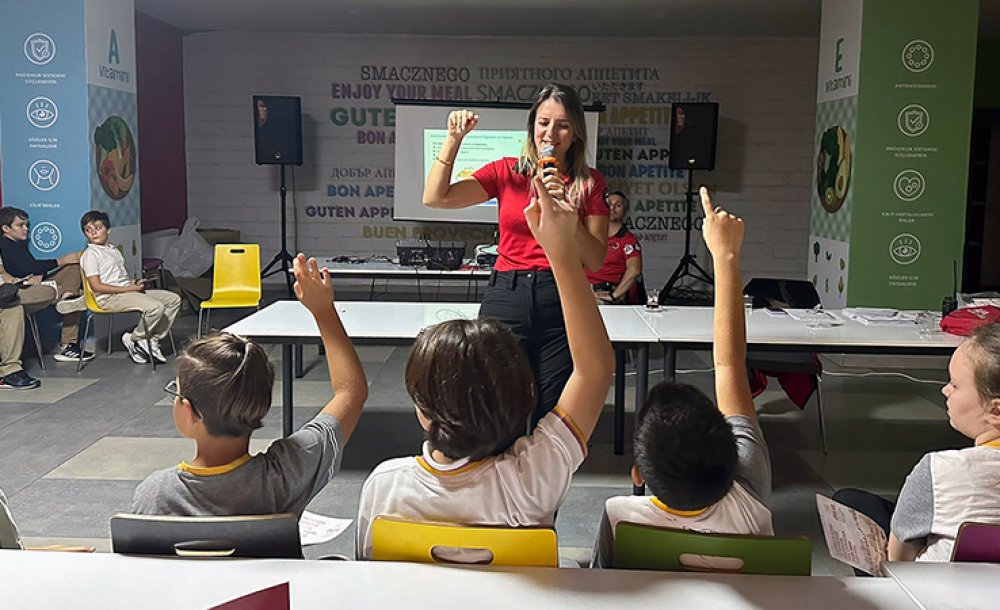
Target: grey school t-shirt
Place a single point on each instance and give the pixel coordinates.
(282, 479)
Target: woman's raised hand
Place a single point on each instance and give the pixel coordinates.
(461, 122)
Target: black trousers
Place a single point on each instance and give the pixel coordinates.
(865, 502)
(527, 302)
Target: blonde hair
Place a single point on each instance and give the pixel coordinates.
(576, 157)
(984, 352)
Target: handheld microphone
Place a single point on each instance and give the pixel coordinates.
(546, 156)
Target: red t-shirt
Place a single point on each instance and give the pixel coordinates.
(518, 248)
(622, 246)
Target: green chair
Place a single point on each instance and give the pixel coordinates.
(641, 547)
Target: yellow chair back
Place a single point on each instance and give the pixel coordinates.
(236, 278)
(89, 297)
(396, 539)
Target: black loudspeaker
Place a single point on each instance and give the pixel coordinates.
(694, 129)
(277, 130)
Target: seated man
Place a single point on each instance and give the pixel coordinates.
(18, 263)
(12, 375)
(623, 262)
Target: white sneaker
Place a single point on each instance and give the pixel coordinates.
(135, 351)
(154, 349)
(71, 305)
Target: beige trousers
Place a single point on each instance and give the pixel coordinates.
(11, 339)
(35, 298)
(159, 309)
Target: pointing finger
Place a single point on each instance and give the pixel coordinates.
(706, 202)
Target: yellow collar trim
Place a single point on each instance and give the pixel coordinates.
(448, 473)
(992, 444)
(213, 470)
(673, 511)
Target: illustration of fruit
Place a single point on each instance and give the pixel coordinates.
(833, 168)
(815, 252)
(842, 264)
(115, 157)
(815, 280)
(828, 257)
(840, 285)
(826, 285)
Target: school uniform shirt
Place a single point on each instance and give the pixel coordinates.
(518, 249)
(282, 479)
(743, 510)
(622, 246)
(9, 538)
(20, 262)
(945, 489)
(521, 487)
(107, 263)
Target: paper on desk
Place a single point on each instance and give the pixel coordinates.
(872, 316)
(317, 529)
(814, 315)
(851, 537)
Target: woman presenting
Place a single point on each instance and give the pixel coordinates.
(522, 292)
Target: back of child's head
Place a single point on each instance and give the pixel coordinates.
(474, 384)
(228, 379)
(94, 215)
(984, 353)
(684, 448)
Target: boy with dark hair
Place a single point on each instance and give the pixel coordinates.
(221, 395)
(62, 288)
(707, 467)
(474, 391)
(104, 266)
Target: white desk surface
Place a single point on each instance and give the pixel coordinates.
(694, 325)
(289, 320)
(948, 586)
(35, 579)
(378, 269)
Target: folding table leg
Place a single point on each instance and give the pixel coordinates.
(286, 389)
(619, 439)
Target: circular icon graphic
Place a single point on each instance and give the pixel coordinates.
(115, 157)
(39, 48)
(43, 175)
(833, 168)
(909, 185)
(46, 236)
(904, 249)
(913, 120)
(42, 112)
(918, 55)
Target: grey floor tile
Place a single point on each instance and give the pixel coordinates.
(52, 390)
(70, 508)
(132, 459)
(12, 412)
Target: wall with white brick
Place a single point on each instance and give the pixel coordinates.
(766, 88)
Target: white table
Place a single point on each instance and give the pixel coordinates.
(34, 579)
(947, 586)
(691, 328)
(385, 270)
(289, 324)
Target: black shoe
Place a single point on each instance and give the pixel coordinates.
(71, 353)
(19, 380)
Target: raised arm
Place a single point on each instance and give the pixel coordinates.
(439, 192)
(593, 360)
(723, 235)
(347, 376)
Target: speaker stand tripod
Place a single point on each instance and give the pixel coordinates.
(688, 265)
(283, 257)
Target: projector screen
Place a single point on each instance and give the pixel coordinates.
(421, 127)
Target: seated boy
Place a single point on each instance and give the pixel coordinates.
(707, 467)
(104, 266)
(221, 395)
(61, 276)
(474, 391)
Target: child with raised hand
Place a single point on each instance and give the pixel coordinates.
(473, 390)
(706, 464)
(221, 395)
(947, 488)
